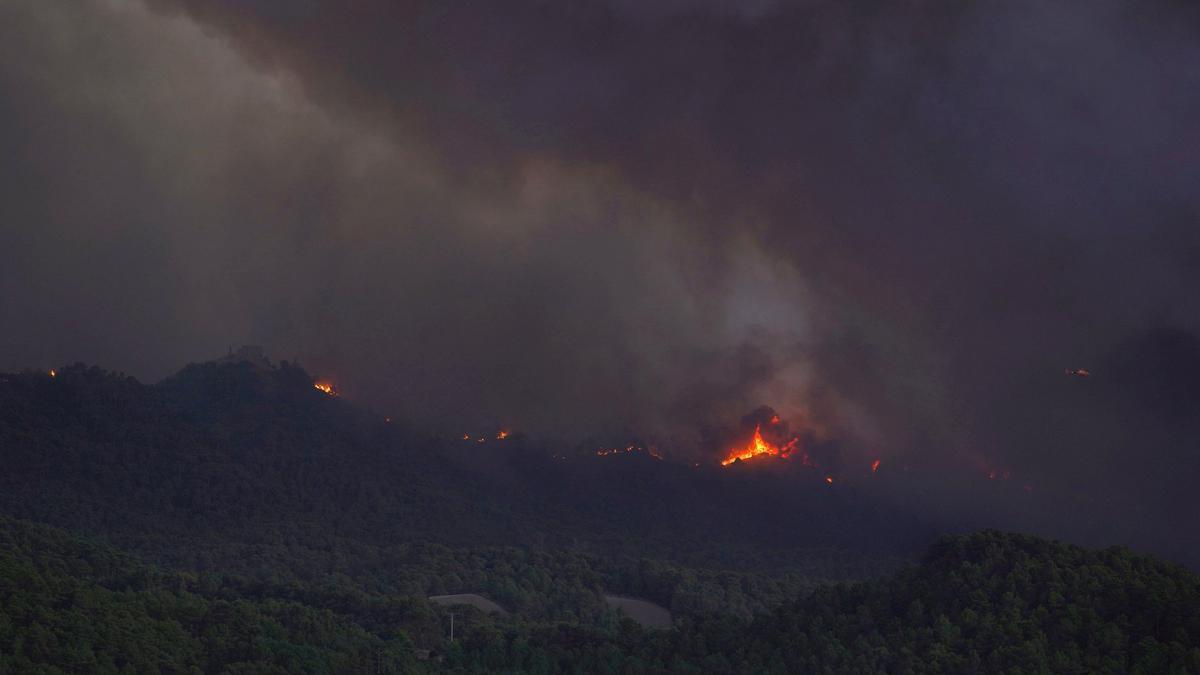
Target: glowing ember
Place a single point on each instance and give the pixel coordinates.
(502, 434)
(775, 419)
(874, 466)
(466, 437)
(53, 373)
(829, 480)
(606, 452)
(326, 387)
(791, 446)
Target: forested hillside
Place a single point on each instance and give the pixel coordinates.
(989, 602)
(235, 519)
(225, 463)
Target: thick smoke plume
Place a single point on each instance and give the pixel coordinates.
(898, 222)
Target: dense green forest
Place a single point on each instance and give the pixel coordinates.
(989, 602)
(233, 519)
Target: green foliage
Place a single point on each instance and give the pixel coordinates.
(287, 531)
(983, 603)
(67, 606)
(994, 602)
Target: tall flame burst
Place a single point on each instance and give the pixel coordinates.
(325, 387)
(759, 446)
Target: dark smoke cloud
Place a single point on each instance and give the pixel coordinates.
(899, 222)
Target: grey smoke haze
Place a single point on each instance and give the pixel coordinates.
(897, 221)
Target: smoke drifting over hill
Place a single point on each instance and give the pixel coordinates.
(897, 222)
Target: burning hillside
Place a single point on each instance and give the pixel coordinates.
(776, 441)
(759, 446)
(630, 449)
(499, 435)
(765, 434)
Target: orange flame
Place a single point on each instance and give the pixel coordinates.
(874, 466)
(326, 387)
(53, 373)
(502, 434)
(760, 446)
(829, 479)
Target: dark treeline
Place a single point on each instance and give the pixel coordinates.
(234, 519)
(989, 602)
(240, 454)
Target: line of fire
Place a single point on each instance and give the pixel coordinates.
(770, 440)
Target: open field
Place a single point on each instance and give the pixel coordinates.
(477, 601)
(646, 613)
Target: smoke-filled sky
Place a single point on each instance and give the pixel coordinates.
(897, 223)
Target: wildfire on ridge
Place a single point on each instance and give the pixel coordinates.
(326, 387)
(761, 446)
(500, 435)
(651, 450)
(772, 437)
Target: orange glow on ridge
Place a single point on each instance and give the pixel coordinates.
(652, 451)
(760, 446)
